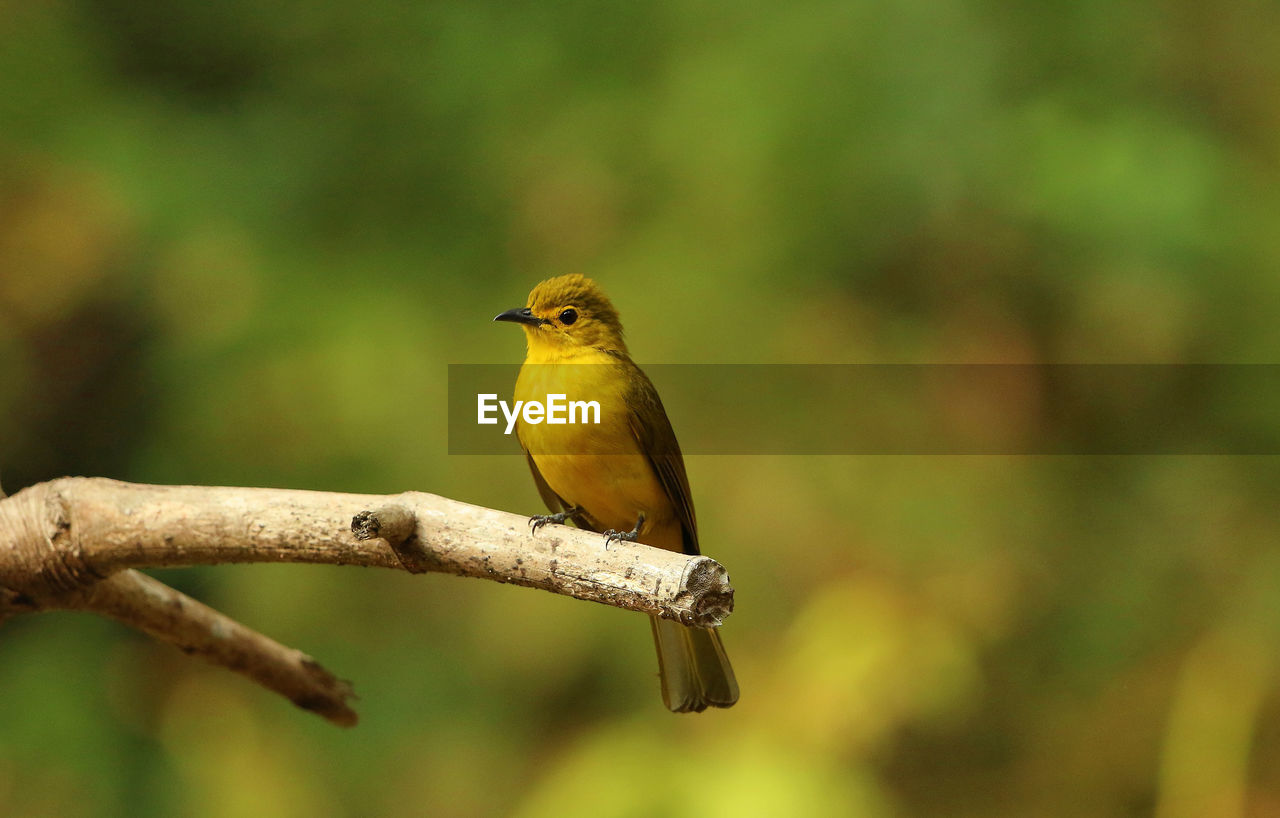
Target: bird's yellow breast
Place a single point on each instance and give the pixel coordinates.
(599, 467)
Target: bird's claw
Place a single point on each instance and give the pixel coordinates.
(613, 535)
(539, 520)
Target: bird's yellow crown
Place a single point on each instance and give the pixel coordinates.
(574, 311)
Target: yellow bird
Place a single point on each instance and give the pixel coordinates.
(623, 474)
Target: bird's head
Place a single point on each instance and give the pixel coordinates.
(569, 311)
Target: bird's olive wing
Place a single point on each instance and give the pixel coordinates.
(657, 440)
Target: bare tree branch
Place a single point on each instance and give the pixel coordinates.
(71, 543)
(169, 615)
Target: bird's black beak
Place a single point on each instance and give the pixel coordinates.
(521, 315)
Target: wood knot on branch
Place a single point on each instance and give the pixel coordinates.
(397, 525)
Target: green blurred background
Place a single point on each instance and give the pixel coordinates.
(240, 243)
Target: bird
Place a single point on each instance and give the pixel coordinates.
(623, 477)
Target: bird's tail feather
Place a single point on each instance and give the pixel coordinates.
(694, 668)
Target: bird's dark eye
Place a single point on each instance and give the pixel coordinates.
(568, 316)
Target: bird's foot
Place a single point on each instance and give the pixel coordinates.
(612, 535)
(539, 520)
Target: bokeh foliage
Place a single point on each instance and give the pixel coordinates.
(240, 242)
